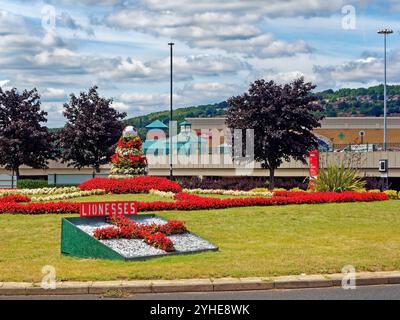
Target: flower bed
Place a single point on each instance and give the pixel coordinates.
(14, 198)
(64, 196)
(229, 192)
(162, 194)
(195, 202)
(154, 235)
(185, 201)
(47, 191)
(140, 184)
(39, 207)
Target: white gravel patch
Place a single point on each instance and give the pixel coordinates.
(189, 242)
(135, 248)
(132, 248)
(90, 228)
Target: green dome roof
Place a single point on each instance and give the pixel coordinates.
(157, 124)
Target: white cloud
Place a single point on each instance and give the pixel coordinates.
(364, 70)
(230, 26)
(54, 94)
(4, 83)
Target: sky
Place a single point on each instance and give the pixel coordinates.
(221, 46)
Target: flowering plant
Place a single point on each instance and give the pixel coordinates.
(14, 198)
(64, 196)
(154, 235)
(185, 201)
(141, 184)
(49, 191)
(128, 157)
(229, 192)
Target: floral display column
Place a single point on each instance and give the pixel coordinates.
(129, 158)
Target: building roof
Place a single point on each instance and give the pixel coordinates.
(157, 124)
(326, 123)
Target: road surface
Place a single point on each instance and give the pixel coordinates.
(384, 292)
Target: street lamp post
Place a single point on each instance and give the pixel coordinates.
(385, 32)
(170, 113)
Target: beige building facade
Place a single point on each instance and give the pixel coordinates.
(338, 131)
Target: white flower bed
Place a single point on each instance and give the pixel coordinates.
(162, 194)
(48, 191)
(64, 196)
(229, 192)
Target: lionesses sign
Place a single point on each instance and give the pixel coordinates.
(98, 209)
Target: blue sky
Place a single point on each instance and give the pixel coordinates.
(220, 47)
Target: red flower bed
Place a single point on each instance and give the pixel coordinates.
(154, 235)
(195, 202)
(39, 207)
(185, 201)
(141, 184)
(14, 198)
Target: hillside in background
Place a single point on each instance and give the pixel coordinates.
(203, 111)
(343, 102)
(360, 102)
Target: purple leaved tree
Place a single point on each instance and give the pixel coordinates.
(23, 138)
(282, 116)
(93, 127)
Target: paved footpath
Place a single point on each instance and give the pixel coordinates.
(210, 286)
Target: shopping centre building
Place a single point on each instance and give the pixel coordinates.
(357, 140)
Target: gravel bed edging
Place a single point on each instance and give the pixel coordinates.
(197, 285)
(137, 249)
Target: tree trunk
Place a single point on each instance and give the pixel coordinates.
(97, 168)
(271, 185)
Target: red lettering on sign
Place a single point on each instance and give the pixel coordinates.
(100, 209)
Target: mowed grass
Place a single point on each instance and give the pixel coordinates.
(253, 241)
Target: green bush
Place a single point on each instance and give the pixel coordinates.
(335, 178)
(31, 184)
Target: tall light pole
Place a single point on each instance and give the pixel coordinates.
(171, 176)
(385, 32)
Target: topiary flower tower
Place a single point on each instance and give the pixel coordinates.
(129, 159)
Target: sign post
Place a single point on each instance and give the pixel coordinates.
(314, 167)
(384, 171)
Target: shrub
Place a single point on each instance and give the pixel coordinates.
(337, 179)
(376, 183)
(31, 184)
(374, 190)
(392, 194)
(238, 183)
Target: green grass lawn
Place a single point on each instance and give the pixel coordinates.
(253, 241)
